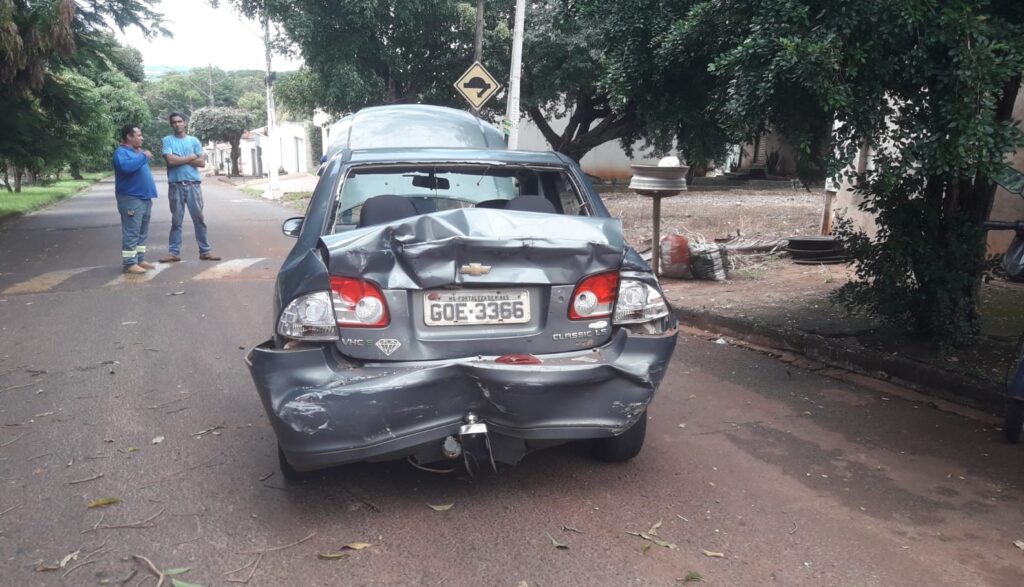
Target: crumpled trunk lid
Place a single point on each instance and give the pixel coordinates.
(473, 256)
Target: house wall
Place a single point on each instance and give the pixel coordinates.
(774, 142)
(293, 147)
(1006, 206)
(607, 161)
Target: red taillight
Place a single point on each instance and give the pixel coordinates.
(594, 297)
(358, 303)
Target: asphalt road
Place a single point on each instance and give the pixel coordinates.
(794, 477)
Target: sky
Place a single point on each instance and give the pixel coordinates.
(202, 36)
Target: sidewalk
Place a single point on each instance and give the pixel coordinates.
(293, 183)
(786, 308)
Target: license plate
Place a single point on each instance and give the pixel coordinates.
(469, 308)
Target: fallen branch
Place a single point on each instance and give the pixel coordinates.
(77, 481)
(152, 568)
(78, 566)
(96, 526)
(88, 560)
(165, 404)
(130, 576)
(208, 430)
(205, 463)
(16, 439)
(188, 541)
(277, 548)
(140, 524)
(252, 571)
(13, 387)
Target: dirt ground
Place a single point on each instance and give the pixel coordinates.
(753, 215)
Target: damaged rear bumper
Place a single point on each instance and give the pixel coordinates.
(328, 411)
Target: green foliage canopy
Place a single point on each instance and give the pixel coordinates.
(222, 124)
(53, 58)
(927, 86)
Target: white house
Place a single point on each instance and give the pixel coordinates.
(1006, 206)
(292, 148)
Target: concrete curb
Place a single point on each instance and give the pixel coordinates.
(840, 353)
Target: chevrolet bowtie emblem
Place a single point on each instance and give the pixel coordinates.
(475, 269)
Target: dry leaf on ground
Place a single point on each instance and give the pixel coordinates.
(104, 502)
(332, 556)
(556, 543)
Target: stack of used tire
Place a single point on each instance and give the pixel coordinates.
(816, 250)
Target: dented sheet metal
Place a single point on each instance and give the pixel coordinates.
(329, 412)
(427, 251)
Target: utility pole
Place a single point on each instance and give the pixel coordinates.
(516, 71)
(478, 40)
(270, 149)
(210, 72)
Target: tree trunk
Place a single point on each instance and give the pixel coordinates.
(579, 138)
(7, 179)
(76, 171)
(236, 154)
(976, 201)
(18, 174)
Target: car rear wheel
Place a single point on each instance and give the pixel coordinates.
(289, 472)
(624, 446)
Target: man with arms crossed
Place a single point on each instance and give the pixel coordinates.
(184, 156)
(135, 190)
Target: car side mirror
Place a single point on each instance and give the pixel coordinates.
(292, 227)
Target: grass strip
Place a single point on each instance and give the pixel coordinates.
(33, 197)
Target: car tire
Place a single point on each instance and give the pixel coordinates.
(289, 472)
(625, 446)
(1014, 423)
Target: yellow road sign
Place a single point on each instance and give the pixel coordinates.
(477, 85)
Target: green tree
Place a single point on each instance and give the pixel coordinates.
(201, 87)
(48, 50)
(255, 103)
(366, 52)
(298, 93)
(222, 124)
(929, 86)
(362, 53)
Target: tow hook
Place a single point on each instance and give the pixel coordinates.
(470, 434)
(451, 448)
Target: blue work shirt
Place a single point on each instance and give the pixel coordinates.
(132, 176)
(183, 147)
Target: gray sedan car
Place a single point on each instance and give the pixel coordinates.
(451, 300)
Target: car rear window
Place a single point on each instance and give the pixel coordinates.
(435, 187)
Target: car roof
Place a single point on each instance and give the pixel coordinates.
(487, 156)
(412, 126)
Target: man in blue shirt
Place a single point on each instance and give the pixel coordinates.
(135, 189)
(184, 156)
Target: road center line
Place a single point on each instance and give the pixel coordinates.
(228, 268)
(45, 281)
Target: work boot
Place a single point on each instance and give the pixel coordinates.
(170, 259)
(146, 265)
(135, 269)
(208, 256)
